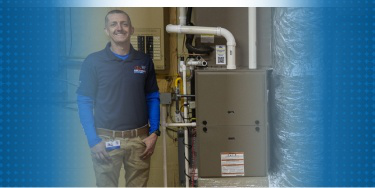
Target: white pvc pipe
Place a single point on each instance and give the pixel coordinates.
(197, 63)
(252, 38)
(192, 124)
(202, 30)
(231, 42)
(186, 136)
(164, 133)
(182, 17)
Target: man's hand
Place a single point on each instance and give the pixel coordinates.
(100, 153)
(150, 145)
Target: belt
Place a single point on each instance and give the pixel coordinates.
(123, 134)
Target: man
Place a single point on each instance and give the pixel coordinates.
(119, 84)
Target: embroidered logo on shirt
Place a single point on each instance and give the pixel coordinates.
(139, 69)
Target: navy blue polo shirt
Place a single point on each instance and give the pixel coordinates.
(118, 88)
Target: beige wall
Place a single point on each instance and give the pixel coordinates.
(84, 29)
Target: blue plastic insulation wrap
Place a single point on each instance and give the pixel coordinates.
(296, 124)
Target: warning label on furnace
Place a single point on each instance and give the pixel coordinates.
(232, 164)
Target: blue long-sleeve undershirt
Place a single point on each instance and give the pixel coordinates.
(85, 108)
(153, 107)
(86, 115)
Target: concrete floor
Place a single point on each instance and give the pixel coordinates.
(234, 182)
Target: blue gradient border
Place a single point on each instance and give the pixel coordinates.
(349, 96)
(38, 138)
(39, 142)
(186, 3)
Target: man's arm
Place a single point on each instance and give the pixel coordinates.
(153, 106)
(86, 115)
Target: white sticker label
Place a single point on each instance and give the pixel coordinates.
(111, 145)
(232, 164)
(220, 55)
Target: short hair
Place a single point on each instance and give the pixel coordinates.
(117, 12)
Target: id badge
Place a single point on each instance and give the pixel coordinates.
(113, 144)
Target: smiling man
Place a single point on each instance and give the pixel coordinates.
(119, 84)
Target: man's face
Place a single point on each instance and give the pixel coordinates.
(118, 28)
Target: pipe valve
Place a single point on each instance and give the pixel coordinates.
(198, 61)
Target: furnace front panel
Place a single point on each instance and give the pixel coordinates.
(232, 123)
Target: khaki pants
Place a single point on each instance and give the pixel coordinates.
(136, 169)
